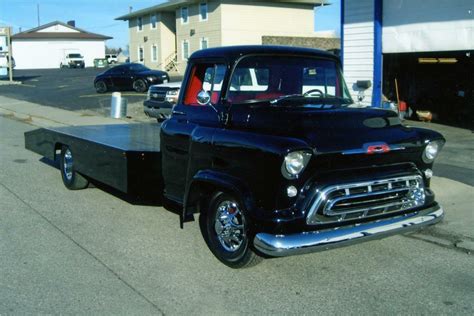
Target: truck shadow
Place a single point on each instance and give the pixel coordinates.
(147, 197)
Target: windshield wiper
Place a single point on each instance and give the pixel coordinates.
(284, 97)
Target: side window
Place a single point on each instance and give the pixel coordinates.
(116, 71)
(208, 77)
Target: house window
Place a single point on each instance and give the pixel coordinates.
(185, 49)
(140, 54)
(140, 23)
(203, 11)
(204, 43)
(154, 53)
(153, 20)
(184, 15)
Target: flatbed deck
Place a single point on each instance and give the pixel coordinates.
(126, 156)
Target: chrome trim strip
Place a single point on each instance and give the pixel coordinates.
(323, 194)
(306, 242)
(359, 151)
(331, 202)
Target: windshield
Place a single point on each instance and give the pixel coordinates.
(75, 56)
(273, 78)
(138, 68)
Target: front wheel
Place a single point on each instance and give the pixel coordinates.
(140, 85)
(71, 178)
(100, 86)
(225, 229)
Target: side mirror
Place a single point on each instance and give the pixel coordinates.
(203, 97)
(363, 84)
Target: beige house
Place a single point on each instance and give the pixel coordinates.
(165, 35)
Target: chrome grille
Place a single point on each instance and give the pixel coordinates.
(366, 199)
(158, 95)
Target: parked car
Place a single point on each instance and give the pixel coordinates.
(111, 58)
(129, 77)
(72, 60)
(160, 100)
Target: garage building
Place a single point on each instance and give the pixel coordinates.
(46, 45)
(426, 45)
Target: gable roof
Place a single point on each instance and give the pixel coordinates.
(171, 5)
(80, 34)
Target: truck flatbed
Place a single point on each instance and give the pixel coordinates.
(124, 156)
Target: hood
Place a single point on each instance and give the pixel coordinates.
(343, 129)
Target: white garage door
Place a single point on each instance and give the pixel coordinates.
(427, 25)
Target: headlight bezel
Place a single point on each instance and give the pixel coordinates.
(294, 163)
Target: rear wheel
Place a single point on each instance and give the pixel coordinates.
(71, 179)
(140, 85)
(100, 86)
(225, 228)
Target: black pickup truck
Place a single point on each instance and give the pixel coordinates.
(267, 146)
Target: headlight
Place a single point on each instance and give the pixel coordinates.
(431, 151)
(294, 163)
(172, 92)
(148, 94)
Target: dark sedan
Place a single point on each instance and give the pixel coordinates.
(128, 77)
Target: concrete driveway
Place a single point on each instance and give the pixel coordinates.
(65, 252)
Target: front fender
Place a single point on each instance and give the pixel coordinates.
(206, 182)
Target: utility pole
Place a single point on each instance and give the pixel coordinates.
(10, 55)
(38, 13)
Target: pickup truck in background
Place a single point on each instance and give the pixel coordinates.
(72, 60)
(111, 58)
(160, 100)
(267, 147)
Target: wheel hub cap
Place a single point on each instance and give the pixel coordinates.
(229, 226)
(67, 164)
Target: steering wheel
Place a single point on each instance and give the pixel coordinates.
(309, 92)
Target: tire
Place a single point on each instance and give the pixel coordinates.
(71, 179)
(140, 85)
(216, 228)
(100, 86)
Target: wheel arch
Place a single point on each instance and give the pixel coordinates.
(207, 182)
(57, 150)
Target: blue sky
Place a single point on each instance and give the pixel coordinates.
(98, 15)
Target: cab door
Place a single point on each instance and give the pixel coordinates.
(186, 138)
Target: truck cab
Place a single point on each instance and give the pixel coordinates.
(266, 144)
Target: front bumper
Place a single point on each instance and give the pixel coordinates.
(306, 242)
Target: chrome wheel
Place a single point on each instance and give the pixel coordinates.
(67, 164)
(229, 226)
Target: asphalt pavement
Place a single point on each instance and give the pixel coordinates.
(89, 252)
(68, 89)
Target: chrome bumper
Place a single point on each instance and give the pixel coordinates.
(295, 244)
